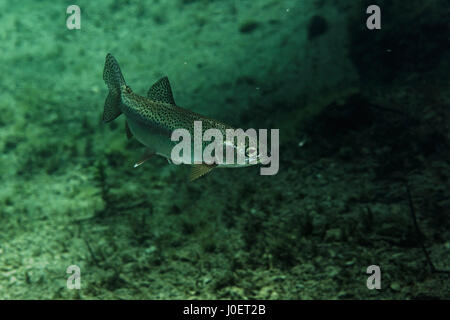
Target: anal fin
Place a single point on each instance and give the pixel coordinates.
(199, 170)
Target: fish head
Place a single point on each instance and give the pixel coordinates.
(247, 152)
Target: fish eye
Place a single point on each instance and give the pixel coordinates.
(250, 151)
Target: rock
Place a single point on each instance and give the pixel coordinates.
(345, 295)
(395, 286)
(267, 292)
(236, 292)
(333, 235)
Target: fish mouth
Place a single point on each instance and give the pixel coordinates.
(263, 159)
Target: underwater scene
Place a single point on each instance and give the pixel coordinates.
(110, 111)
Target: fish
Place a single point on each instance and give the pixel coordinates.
(152, 120)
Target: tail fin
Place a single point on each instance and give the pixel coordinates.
(114, 80)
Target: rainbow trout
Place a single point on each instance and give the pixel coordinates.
(153, 119)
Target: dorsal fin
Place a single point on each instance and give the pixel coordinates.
(161, 91)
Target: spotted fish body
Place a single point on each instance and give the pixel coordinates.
(152, 122)
(152, 119)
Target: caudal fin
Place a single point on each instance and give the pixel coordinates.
(114, 80)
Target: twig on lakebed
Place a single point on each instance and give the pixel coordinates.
(421, 236)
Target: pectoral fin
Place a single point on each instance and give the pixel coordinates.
(147, 156)
(199, 170)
